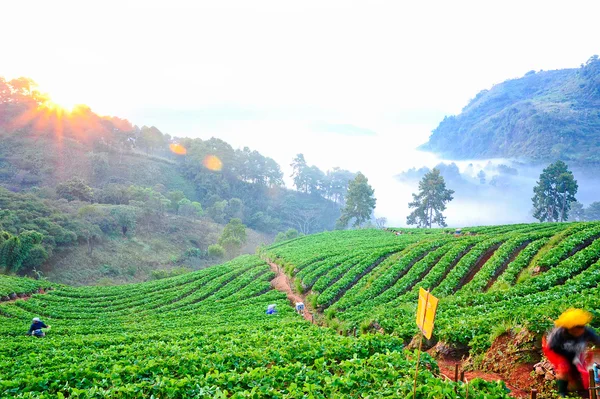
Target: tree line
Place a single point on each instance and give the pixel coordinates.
(553, 200)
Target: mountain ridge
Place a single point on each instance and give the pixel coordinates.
(541, 116)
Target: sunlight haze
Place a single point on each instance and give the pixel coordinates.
(357, 85)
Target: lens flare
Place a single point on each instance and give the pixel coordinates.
(213, 163)
(177, 149)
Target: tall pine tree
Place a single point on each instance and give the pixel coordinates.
(360, 202)
(430, 201)
(554, 193)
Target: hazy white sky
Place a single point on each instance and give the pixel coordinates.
(348, 83)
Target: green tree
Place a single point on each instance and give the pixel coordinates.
(175, 197)
(233, 237)
(99, 164)
(554, 193)
(592, 212)
(336, 184)
(16, 249)
(217, 211)
(234, 209)
(360, 202)
(91, 231)
(288, 235)
(189, 208)
(36, 258)
(299, 169)
(431, 201)
(126, 217)
(577, 212)
(75, 189)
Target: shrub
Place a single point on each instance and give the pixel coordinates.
(216, 251)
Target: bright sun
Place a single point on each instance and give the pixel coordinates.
(64, 102)
(61, 96)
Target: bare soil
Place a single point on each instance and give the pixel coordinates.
(281, 283)
(514, 383)
(510, 359)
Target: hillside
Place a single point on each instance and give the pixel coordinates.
(206, 334)
(113, 201)
(523, 274)
(201, 335)
(542, 116)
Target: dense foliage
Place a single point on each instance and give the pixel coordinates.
(544, 115)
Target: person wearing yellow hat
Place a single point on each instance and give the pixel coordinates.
(565, 345)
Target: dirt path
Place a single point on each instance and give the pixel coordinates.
(447, 368)
(282, 283)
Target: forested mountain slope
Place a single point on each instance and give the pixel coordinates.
(542, 116)
(113, 201)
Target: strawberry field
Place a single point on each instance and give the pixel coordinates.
(206, 335)
(488, 276)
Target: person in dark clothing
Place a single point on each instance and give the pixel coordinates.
(36, 328)
(565, 347)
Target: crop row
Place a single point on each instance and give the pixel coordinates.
(386, 281)
(569, 246)
(11, 287)
(452, 281)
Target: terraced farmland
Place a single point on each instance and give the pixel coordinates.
(522, 274)
(206, 335)
(200, 335)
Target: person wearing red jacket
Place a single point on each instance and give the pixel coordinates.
(565, 346)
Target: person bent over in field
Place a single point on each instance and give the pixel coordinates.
(565, 347)
(36, 328)
(271, 309)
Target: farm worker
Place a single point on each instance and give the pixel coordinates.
(565, 345)
(36, 328)
(299, 307)
(595, 367)
(271, 309)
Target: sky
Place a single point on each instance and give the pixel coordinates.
(354, 84)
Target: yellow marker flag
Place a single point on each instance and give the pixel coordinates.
(426, 312)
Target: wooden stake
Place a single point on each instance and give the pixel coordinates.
(462, 375)
(456, 372)
(420, 344)
(593, 394)
(534, 394)
(417, 368)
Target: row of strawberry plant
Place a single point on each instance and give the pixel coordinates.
(569, 246)
(468, 261)
(334, 291)
(376, 274)
(214, 278)
(493, 266)
(515, 267)
(388, 279)
(10, 285)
